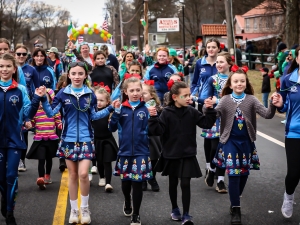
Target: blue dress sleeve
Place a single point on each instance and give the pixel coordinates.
(207, 90)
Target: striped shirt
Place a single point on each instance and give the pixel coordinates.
(45, 127)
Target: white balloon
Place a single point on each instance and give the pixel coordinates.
(85, 30)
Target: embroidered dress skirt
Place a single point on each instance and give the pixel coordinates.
(106, 149)
(154, 147)
(42, 149)
(184, 167)
(238, 157)
(76, 151)
(134, 168)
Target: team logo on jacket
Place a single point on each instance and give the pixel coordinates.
(294, 89)
(27, 75)
(87, 100)
(46, 79)
(168, 75)
(141, 115)
(14, 99)
(202, 70)
(67, 101)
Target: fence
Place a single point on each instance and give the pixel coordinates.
(259, 58)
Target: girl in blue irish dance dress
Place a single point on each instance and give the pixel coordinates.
(236, 151)
(133, 162)
(76, 146)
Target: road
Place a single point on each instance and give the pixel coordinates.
(261, 201)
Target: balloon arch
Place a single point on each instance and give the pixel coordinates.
(93, 29)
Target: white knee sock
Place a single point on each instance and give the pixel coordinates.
(84, 201)
(220, 178)
(74, 204)
(207, 165)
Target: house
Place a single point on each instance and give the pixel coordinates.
(261, 24)
(41, 40)
(214, 30)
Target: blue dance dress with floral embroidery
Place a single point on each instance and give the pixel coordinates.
(238, 155)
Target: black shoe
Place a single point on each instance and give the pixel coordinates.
(154, 185)
(127, 209)
(10, 219)
(221, 188)
(144, 185)
(236, 216)
(209, 180)
(62, 166)
(135, 219)
(3, 207)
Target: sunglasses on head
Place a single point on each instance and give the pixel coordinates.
(81, 64)
(19, 54)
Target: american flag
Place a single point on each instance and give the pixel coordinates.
(80, 39)
(105, 23)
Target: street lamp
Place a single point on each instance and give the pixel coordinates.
(183, 26)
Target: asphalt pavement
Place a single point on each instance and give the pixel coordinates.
(260, 204)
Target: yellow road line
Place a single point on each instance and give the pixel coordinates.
(62, 200)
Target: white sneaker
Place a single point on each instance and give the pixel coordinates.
(21, 167)
(94, 170)
(90, 177)
(108, 188)
(287, 206)
(102, 182)
(85, 217)
(283, 121)
(74, 216)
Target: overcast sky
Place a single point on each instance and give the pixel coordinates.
(85, 11)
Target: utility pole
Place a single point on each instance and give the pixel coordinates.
(114, 22)
(146, 28)
(229, 28)
(121, 24)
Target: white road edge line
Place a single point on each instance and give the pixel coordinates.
(271, 139)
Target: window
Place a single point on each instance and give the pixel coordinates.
(247, 24)
(255, 24)
(261, 25)
(154, 37)
(274, 24)
(267, 19)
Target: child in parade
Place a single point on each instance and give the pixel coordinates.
(105, 144)
(134, 68)
(45, 142)
(133, 162)
(236, 151)
(213, 87)
(174, 77)
(151, 99)
(160, 72)
(177, 126)
(15, 105)
(76, 145)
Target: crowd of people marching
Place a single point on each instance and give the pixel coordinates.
(74, 109)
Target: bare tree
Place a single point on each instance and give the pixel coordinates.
(292, 23)
(18, 13)
(48, 18)
(2, 9)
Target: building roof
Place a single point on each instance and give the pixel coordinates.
(240, 21)
(257, 37)
(214, 29)
(266, 8)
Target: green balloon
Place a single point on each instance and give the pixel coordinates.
(102, 35)
(108, 35)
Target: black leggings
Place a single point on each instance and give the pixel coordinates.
(137, 194)
(153, 162)
(105, 170)
(210, 148)
(41, 166)
(292, 149)
(185, 185)
(23, 155)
